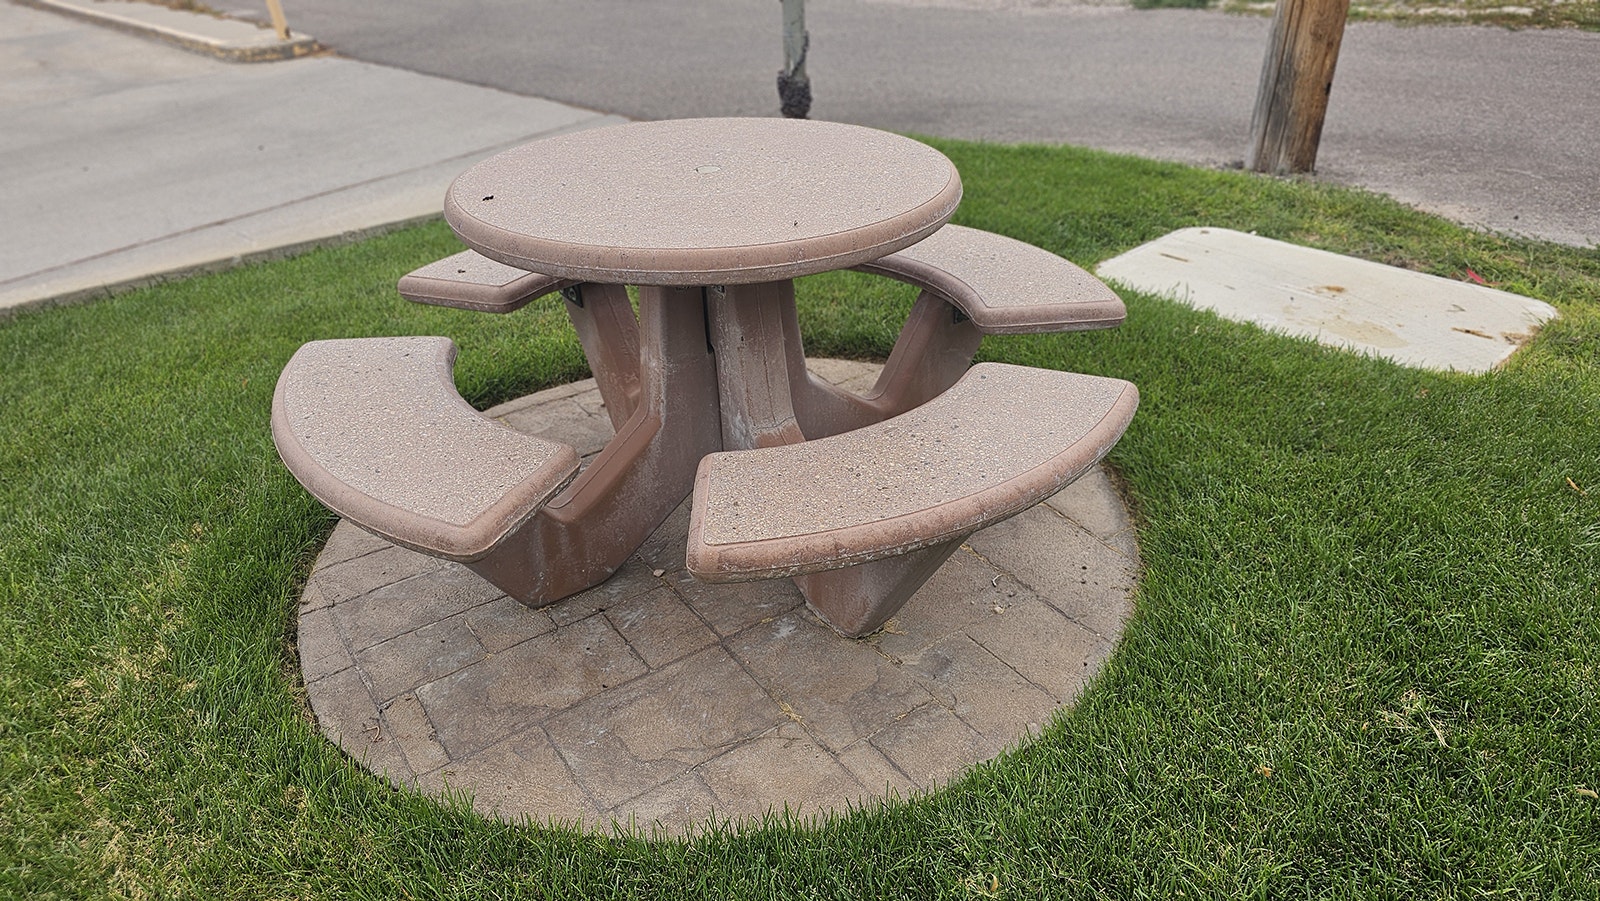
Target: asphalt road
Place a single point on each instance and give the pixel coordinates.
(1491, 127)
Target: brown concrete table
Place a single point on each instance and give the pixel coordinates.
(712, 219)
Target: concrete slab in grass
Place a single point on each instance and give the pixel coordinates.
(1409, 317)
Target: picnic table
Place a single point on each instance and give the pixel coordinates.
(859, 497)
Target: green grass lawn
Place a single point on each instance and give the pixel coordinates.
(1514, 14)
(1364, 662)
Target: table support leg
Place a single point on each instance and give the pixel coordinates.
(590, 529)
(609, 332)
(933, 350)
(750, 329)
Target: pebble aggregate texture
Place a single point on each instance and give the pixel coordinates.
(470, 280)
(703, 201)
(910, 464)
(404, 448)
(1006, 286)
(662, 703)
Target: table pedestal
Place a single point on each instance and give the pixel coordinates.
(586, 532)
(709, 369)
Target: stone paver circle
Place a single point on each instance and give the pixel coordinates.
(663, 703)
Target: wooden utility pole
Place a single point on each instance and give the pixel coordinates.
(794, 88)
(1292, 100)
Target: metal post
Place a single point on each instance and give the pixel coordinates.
(794, 88)
(1292, 100)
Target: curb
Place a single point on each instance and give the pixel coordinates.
(230, 40)
(77, 296)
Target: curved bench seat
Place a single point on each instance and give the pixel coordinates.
(1005, 286)
(1000, 440)
(471, 281)
(375, 429)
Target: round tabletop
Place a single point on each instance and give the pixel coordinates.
(703, 201)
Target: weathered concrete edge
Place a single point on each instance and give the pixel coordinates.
(227, 51)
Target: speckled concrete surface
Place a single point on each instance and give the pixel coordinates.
(902, 467)
(398, 449)
(703, 201)
(663, 703)
(1006, 286)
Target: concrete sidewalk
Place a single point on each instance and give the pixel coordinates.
(1487, 126)
(122, 160)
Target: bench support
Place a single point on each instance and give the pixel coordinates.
(934, 350)
(607, 328)
(754, 323)
(860, 599)
(749, 325)
(585, 533)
